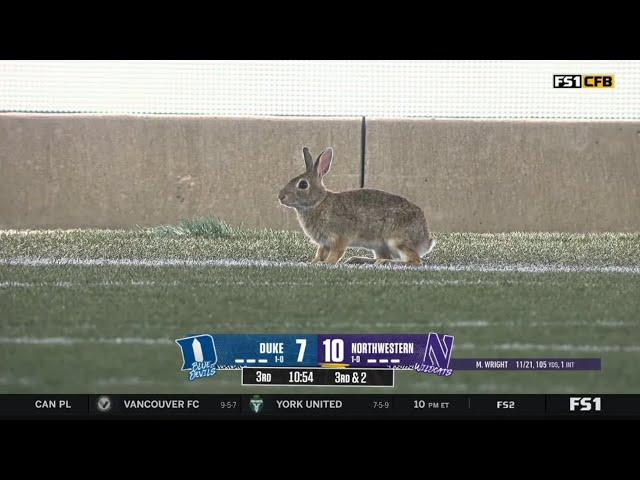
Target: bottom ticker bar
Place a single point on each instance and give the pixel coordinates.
(259, 405)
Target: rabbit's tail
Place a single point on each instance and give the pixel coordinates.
(427, 246)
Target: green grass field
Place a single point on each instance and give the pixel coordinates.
(92, 328)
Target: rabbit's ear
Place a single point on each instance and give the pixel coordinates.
(323, 163)
(308, 159)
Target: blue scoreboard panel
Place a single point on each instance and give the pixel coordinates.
(371, 359)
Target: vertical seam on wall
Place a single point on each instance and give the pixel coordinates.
(363, 150)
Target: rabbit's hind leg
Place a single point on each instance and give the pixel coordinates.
(383, 252)
(321, 254)
(380, 252)
(359, 260)
(407, 254)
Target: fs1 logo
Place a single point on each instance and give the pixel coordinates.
(198, 355)
(585, 404)
(437, 355)
(584, 81)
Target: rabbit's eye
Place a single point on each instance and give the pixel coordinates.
(303, 184)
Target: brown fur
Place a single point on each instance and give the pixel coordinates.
(392, 227)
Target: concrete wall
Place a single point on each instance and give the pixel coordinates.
(122, 171)
(485, 176)
(495, 176)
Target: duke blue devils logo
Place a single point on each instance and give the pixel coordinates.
(198, 355)
(437, 355)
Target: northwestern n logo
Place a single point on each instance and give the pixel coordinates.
(438, 351)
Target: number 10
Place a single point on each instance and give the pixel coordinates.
(333, 350)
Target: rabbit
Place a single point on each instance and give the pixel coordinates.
(392, 227)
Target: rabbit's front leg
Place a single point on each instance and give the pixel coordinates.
(321, 254)
(337, 249)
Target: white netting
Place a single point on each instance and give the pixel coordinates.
(429, 89)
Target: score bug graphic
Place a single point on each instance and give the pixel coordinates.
(316, 360)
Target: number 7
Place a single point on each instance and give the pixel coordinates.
(303, 345)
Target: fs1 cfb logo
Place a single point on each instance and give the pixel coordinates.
(584, 81)
(585, 404)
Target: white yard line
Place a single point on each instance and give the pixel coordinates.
(551, 347)
(168, 262)
(39, 284)
(453, 385)
(253, 283)
(19, 381)
(108, 382)
(86, 341)
(482, 324)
